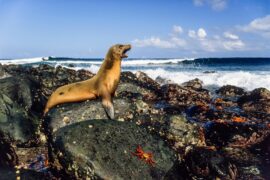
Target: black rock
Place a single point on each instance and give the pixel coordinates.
(203, 163)
(182, 98)
(68, 114)
(230, 91)
(194, 84)
(15, 122)
(18, 109)
(71, 65)
(2, 71)
(49, 77)
(257, 100)
(143, 81)
(183, 133)
(8, 157)
(235, 135)
(250, 164)
(19, 89)
(104, 149)
(163, 80)
(144, 78)
(209, 72)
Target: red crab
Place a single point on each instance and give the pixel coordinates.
(239, 119)
(147, 157)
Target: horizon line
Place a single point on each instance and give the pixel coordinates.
(213, 57)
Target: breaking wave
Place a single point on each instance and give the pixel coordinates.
(247, 80)
(249, 73)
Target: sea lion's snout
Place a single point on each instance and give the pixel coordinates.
(126, 48)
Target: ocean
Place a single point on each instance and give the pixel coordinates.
(249, 73)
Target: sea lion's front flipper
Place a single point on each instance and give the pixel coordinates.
(108, 107)
(109, 111)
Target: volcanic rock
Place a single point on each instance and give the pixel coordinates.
(104, 149)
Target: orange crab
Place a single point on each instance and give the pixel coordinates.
(147, 157)
(239, 119)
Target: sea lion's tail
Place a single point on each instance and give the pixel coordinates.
(47, 107)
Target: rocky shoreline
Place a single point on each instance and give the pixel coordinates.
(191, 132)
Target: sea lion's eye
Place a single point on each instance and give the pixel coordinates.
(120, 46)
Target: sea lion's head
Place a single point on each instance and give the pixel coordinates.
(119, 51)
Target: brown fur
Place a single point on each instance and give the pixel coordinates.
(103, 84)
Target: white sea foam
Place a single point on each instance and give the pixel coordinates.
(125, 62)
(92, 68)
(153, 61)
(74, 62)
(247, 80)
(23, 61)
(244, 79)
(133, 62)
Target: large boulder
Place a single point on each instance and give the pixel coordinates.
(143, 78)
(49, 77)
(257, 100)
(230, 91)
(19, 106)
(163, 81)
(175, 128)
(193, 84)
(3, 72)
(105, 149)
(15, 122)
(139, 83)
(182, 98)
(19, 89)
(68, 114)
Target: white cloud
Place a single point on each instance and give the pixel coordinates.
(198, 2)
(230, 36)
(192, 33)
(196, 41)
(178, 42)
(234, 45)
(173, 42)
(214, 45)
(216, 5)
(157, 42)
(201, 33)
(258, 25)
(209, 45)
(177, 29)
(153, 41)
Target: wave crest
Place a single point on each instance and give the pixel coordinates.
(247, 80)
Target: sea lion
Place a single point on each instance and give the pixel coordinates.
(103, 84)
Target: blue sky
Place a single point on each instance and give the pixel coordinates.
(155, 28)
